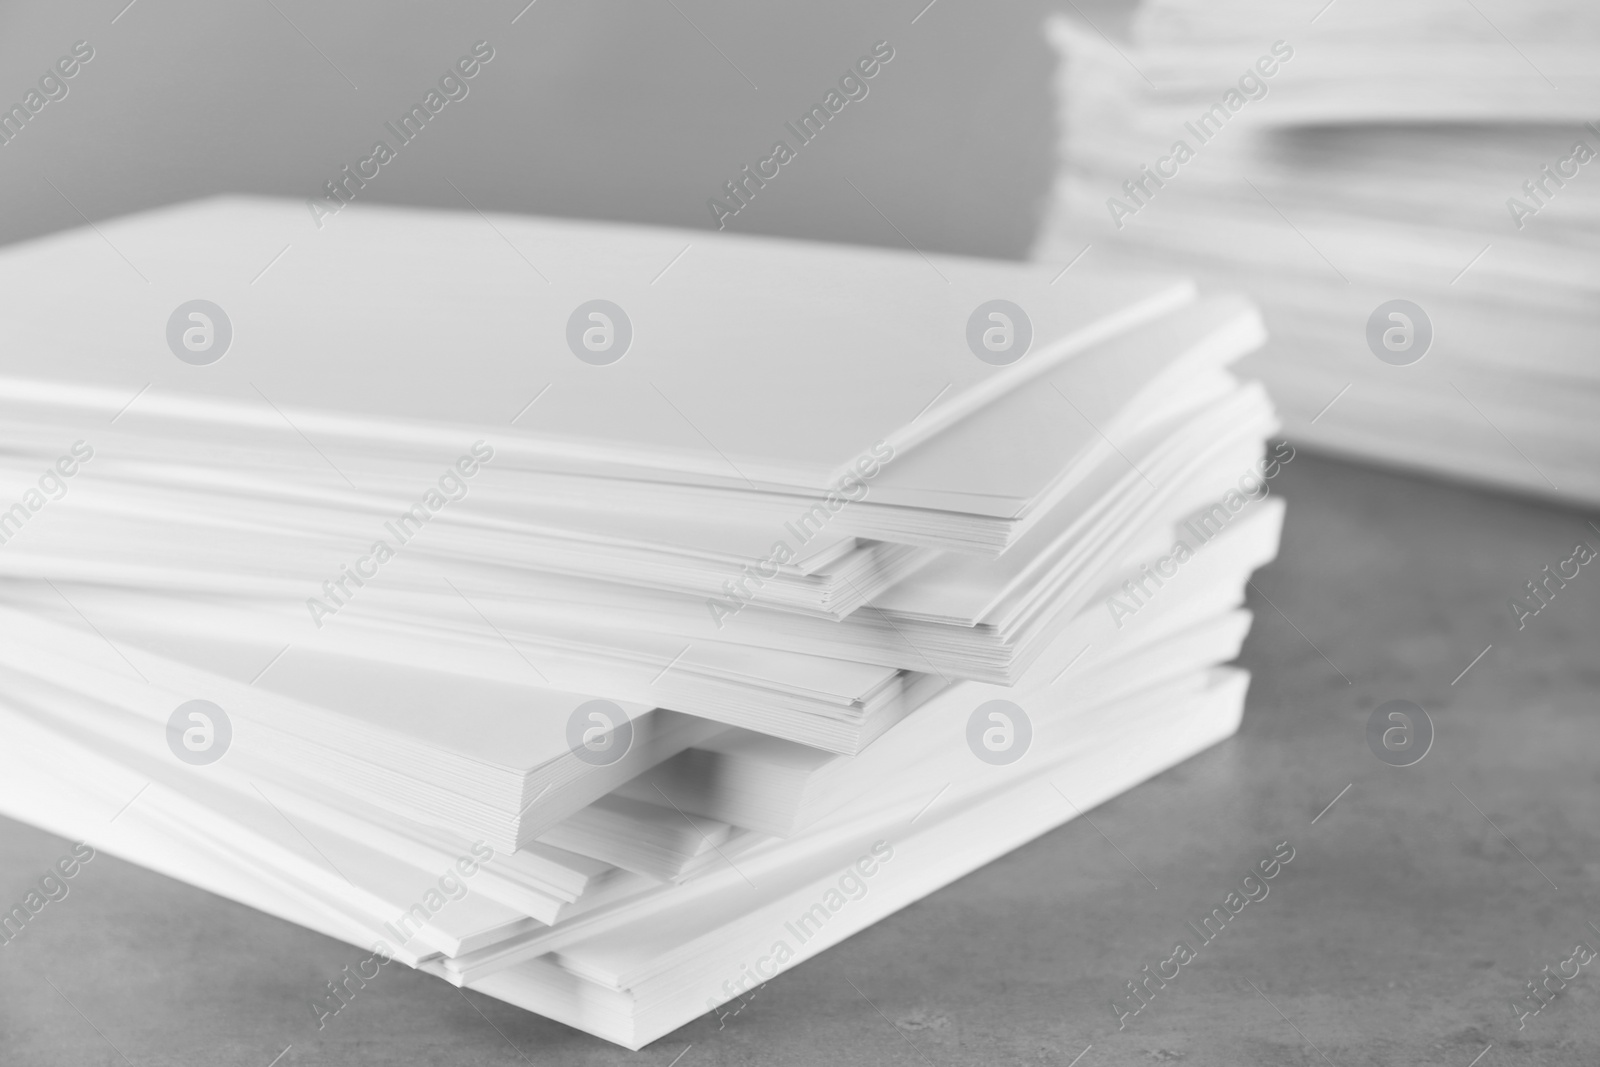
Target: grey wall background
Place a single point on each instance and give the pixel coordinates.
(634, 110)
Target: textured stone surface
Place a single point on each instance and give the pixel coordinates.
(1413, 912)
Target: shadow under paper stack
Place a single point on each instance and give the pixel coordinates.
(608, 687)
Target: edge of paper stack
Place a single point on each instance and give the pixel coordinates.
(1333, 160)
(661, 681)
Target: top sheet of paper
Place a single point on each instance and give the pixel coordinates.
(749, 359)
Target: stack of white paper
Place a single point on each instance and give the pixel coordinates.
(1408, 190)
(607, 686)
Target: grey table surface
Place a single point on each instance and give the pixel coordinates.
(1415, 909)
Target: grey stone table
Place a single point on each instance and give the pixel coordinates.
(1415, 910)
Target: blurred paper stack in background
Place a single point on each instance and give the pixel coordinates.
(1408, 190)
(603, 637)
